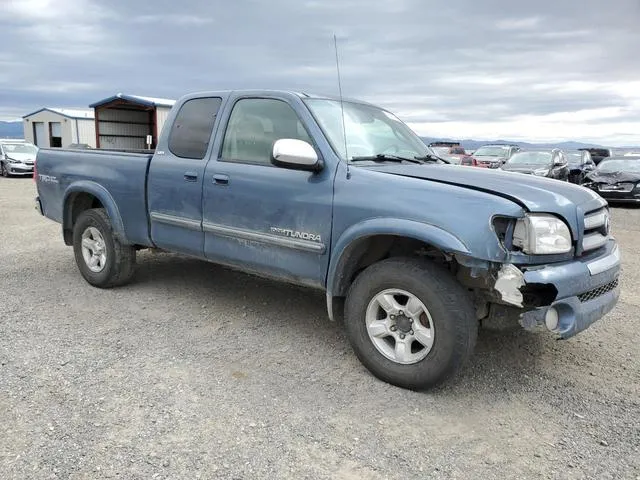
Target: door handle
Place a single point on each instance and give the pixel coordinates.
(219, 179)
(191, 176)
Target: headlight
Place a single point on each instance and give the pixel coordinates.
(12, 160)
(540, 234)
(541, 172)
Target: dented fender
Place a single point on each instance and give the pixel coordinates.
(342, 248)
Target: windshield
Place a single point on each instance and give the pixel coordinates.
(492, 151)
(370, 130)
(574, 158)
(609, 166)
(530, 158)
(18, 148)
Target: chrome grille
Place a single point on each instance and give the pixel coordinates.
(596, 229)
(593, 241)
(597, 292)
(617, 187)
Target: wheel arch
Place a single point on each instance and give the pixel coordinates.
(84, 195)
(375, 239)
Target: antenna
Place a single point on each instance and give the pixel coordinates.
(344, 128)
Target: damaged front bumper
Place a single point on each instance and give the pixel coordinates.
(587, 289)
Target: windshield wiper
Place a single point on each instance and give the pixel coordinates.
(431, 158)
(383, 157)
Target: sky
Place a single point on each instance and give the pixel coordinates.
(548, 70)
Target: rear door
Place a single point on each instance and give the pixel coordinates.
(175, 178)
(266, 219)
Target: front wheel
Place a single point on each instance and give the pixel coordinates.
(3, 170)
(102, 259)
(410, 322)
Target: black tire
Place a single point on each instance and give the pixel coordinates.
(120, 259)
(3, 170)
(449, 305)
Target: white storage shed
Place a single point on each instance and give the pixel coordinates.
(59, 127)
(129, 121)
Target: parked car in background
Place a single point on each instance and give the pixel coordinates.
(616, 179)
(580, 163)
(598, 154)
(454, 153)
(493, 155)
(17, 157)
(343, 197)
(550, 163)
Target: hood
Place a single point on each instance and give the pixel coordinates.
(489, 157)
(23, 157)
(611, 178)
(536, 194)
(524, 168)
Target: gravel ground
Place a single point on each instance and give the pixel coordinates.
(194, 371)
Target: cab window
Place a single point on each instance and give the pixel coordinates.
(191, 130)
(254, 126)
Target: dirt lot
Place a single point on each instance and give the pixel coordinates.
(194, 371)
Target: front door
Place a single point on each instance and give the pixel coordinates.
(266, 219)
(175, 179)
(560, 167)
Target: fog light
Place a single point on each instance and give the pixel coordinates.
(551, 319)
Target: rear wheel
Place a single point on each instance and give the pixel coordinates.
(410, 322)
(102, 259)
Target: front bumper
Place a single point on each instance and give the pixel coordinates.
(613, 196)
(488, 164)
(587, 290)
(630, 198)
(19, 169)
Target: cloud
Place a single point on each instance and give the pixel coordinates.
(457, 68)
(173, 20)
(518, 24)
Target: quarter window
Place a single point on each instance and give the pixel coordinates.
(254, 126)
(191, 130)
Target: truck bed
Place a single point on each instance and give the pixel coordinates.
(118, 176)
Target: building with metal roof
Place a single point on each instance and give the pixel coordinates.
(129, 121)
(60, 127)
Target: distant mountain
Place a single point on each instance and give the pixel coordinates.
(11, 130)
(475, 144)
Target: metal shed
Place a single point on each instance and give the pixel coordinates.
(126, 121)
(59, 127)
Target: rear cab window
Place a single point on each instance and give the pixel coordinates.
(191, 130)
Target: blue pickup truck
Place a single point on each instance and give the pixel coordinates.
(413, 254)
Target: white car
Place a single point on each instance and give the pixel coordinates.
(17, 157)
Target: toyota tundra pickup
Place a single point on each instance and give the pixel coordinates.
(413, 254)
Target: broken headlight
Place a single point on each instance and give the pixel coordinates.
(539, 234)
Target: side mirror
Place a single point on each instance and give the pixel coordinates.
(295, 154)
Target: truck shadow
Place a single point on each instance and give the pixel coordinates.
(503, 361)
